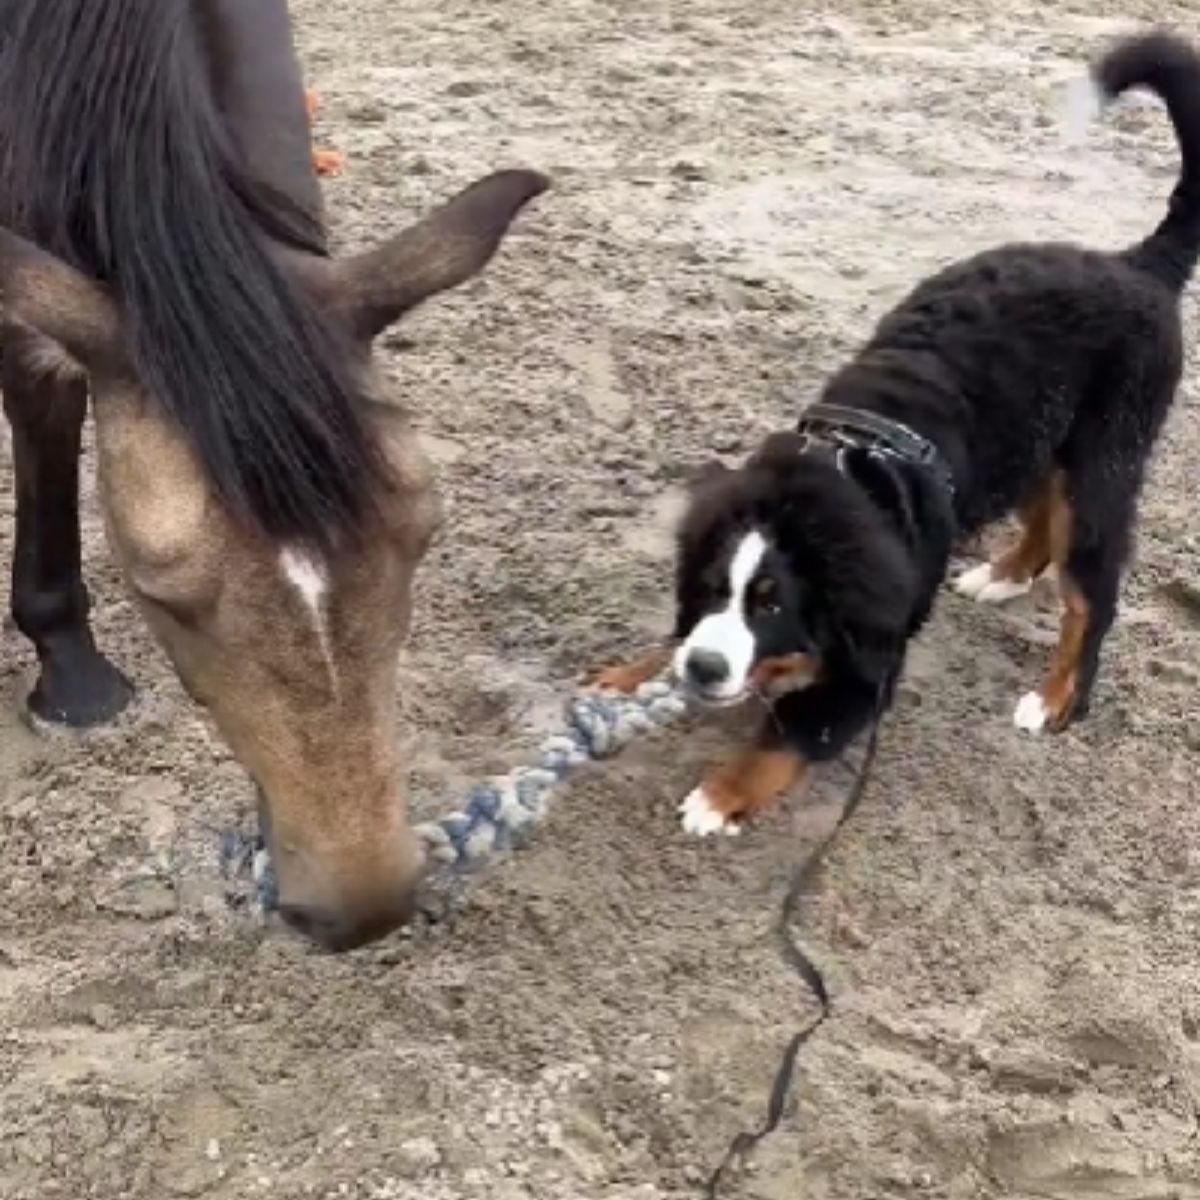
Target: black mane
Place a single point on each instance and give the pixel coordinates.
(114, 156)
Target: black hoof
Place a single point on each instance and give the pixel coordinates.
(79, 694)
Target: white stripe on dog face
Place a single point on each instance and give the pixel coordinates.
(726, 632)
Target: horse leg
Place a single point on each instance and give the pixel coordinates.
(77, 685)
(259, 85)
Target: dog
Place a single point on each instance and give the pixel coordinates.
(1031, 379)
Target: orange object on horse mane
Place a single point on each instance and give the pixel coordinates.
(325, 162)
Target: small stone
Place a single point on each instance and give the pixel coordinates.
(419, 1157)
(466, 87)
(1185, 593)
(1174, 671)
(103, 1016)
(148, 899)
(367, 113)
(213, 1150)
(851, 934)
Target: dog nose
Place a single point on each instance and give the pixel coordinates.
(706, 668)
(338, 931)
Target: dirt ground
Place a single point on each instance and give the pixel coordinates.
(1010, 924)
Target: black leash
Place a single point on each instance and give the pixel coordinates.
(797, 958)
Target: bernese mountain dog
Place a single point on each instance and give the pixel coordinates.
(1031, 379)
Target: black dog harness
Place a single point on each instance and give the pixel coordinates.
(839, 429)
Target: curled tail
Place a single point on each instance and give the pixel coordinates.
(1170, 68)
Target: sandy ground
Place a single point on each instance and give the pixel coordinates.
(1009, 926)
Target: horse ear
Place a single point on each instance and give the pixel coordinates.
(44, 294)
(449, 246)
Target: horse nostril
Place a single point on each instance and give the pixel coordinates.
(312, 922)
(706, 668)
(338, 932)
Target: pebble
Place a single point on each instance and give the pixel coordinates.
(103, 1016)
(147, 899)
(367, 113)
(418, 1157)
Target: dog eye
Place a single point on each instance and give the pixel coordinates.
(765, 596)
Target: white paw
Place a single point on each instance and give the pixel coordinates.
(1004, 590)
(979, 584)
(1030, 713)
(701, 817)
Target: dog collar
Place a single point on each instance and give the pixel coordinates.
(855, 429)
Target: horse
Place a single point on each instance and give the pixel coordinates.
(163, 252)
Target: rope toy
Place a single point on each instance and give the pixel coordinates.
(503, 813)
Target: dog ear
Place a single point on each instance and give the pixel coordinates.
(874, 472)
(778, 449)
(875, 657)
(887, 481)
(700, 477)
(920, 501)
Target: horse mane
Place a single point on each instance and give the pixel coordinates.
(115, 157)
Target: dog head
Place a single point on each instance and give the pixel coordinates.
(790, 569)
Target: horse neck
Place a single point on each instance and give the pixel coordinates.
(260, 89)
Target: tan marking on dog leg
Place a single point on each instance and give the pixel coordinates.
(739, 789)
(1052, 705)
(1012, 573)
(626, 678)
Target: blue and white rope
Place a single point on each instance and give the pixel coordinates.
(503, 813)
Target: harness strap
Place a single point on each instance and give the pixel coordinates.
(844, 428)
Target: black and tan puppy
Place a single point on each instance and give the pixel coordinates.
(1031, 378)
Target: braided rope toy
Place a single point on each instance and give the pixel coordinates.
(503, 813)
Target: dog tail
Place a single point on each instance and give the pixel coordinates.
(1170, 68)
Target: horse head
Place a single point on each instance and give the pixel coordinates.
(289, 642)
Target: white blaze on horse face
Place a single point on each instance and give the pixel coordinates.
(726, 633)
(308, 578)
